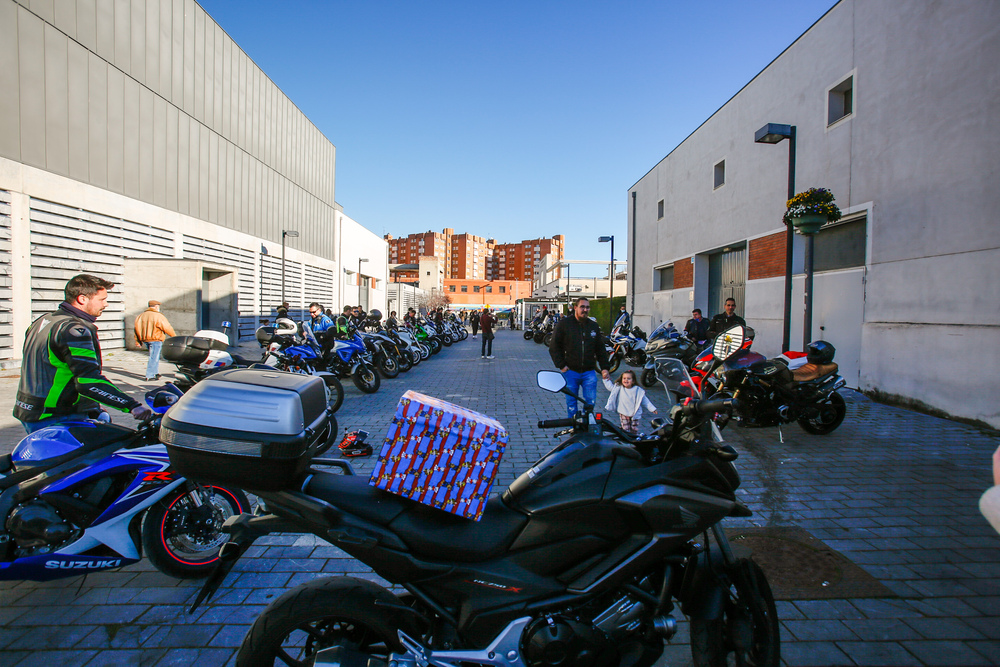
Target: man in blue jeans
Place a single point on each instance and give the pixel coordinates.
(577, 347)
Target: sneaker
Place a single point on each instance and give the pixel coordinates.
(491, 357)
(482, 356)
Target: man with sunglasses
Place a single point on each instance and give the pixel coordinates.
(577, 347)
(318, 319)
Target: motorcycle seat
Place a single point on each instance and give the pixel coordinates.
(352, 493)
(810, 372)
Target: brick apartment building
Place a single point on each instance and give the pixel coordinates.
(471, 257)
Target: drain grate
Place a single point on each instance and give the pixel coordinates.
(801, 567)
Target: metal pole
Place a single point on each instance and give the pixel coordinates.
(808, 317)
(282, 267)
(611, 291)
(786, 335)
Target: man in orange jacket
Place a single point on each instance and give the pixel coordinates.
(151, 328)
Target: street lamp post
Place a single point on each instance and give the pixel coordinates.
(285, 233)
(774, 133)
(611, 290)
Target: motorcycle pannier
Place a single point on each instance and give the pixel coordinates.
(255, 429)
(190, 350)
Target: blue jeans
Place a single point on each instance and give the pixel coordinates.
(573, 382)
(153, 365)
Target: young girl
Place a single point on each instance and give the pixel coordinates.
(627, 399)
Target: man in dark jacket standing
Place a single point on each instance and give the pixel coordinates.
(61, 371)
(727, 320)
(577, 346)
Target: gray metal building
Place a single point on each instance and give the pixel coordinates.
(139, 129)
(895, 109)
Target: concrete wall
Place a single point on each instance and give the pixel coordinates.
(151, 99)
(357, 242)
(917, 155)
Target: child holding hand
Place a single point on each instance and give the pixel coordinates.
(627, 399)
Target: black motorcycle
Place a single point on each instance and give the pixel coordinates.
(582, 560)
(770, 393)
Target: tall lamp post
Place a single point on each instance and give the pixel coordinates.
(774, 133)
(611, 290)
(360, 259)
(284, 234)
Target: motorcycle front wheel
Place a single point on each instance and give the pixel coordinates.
(547, 339)
(425, 351)
(366, 379)
(539, 337)
(388, 367)
(182, 533)
(829, 416)
(748, 628)
(648, 378)
(615, 363)
(404, 361)
(528, 334)
(357, 615)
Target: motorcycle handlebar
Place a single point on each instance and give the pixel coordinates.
(556, 423)
(709, 407)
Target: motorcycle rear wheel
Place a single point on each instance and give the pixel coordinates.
(748, 628)
(182, 539)
(336, 611)
(547, 339)
(831, 415)
(366, 379)
(335, 392)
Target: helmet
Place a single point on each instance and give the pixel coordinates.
(820, 352)
(375, 315)
(285, 327)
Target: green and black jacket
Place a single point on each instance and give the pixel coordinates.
(61, 369)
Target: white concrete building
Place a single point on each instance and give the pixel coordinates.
(895, 110)
(138, 130)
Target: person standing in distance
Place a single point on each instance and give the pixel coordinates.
(486, 322)
(151, 329)
(61, 370)
(577, 346)
(726, 320)
(697, 327)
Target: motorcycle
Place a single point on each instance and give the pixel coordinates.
(389, 356)
(667, 342)
(198, 356)
(286, 353)
(771, 392)
(87, 495)
(581, 561)
(631, 347)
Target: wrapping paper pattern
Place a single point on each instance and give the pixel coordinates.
(440, 454)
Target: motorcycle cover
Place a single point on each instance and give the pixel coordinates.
(440, 454)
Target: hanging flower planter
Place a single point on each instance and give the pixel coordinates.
(808, 211)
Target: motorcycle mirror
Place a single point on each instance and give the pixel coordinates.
(551, 381)
(728, 343)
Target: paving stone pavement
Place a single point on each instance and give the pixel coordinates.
(893, 490)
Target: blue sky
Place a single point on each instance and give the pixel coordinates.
(511, 120)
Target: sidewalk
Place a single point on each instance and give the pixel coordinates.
(894, 491)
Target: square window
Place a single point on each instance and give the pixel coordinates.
(465, 288)
(659, 210)
(720, 173)
(840, 101)
(489, 289)
(475, 288)
(663, 278)
(503, 289)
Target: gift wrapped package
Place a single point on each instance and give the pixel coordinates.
(440, 454)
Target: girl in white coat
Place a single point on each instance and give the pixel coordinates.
(627, 399)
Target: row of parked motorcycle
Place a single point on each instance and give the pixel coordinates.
(792, 387)
(583, 560)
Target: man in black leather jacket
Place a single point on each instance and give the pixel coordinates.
(724, 321)
(61, 370)
(577, 346)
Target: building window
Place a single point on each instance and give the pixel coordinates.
(475, 288)
(840, 101)
(465, 288)
(841, 245)
(489, 289)
(451, 288)
(659, 209)
(663, 278)
(720, 173)
(503, 289)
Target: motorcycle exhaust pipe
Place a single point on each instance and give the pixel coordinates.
(665, 626)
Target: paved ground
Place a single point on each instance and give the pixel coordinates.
(893, 490)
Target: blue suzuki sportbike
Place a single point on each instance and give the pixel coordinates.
(88, 495)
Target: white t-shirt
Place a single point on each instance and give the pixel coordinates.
(628, 401)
